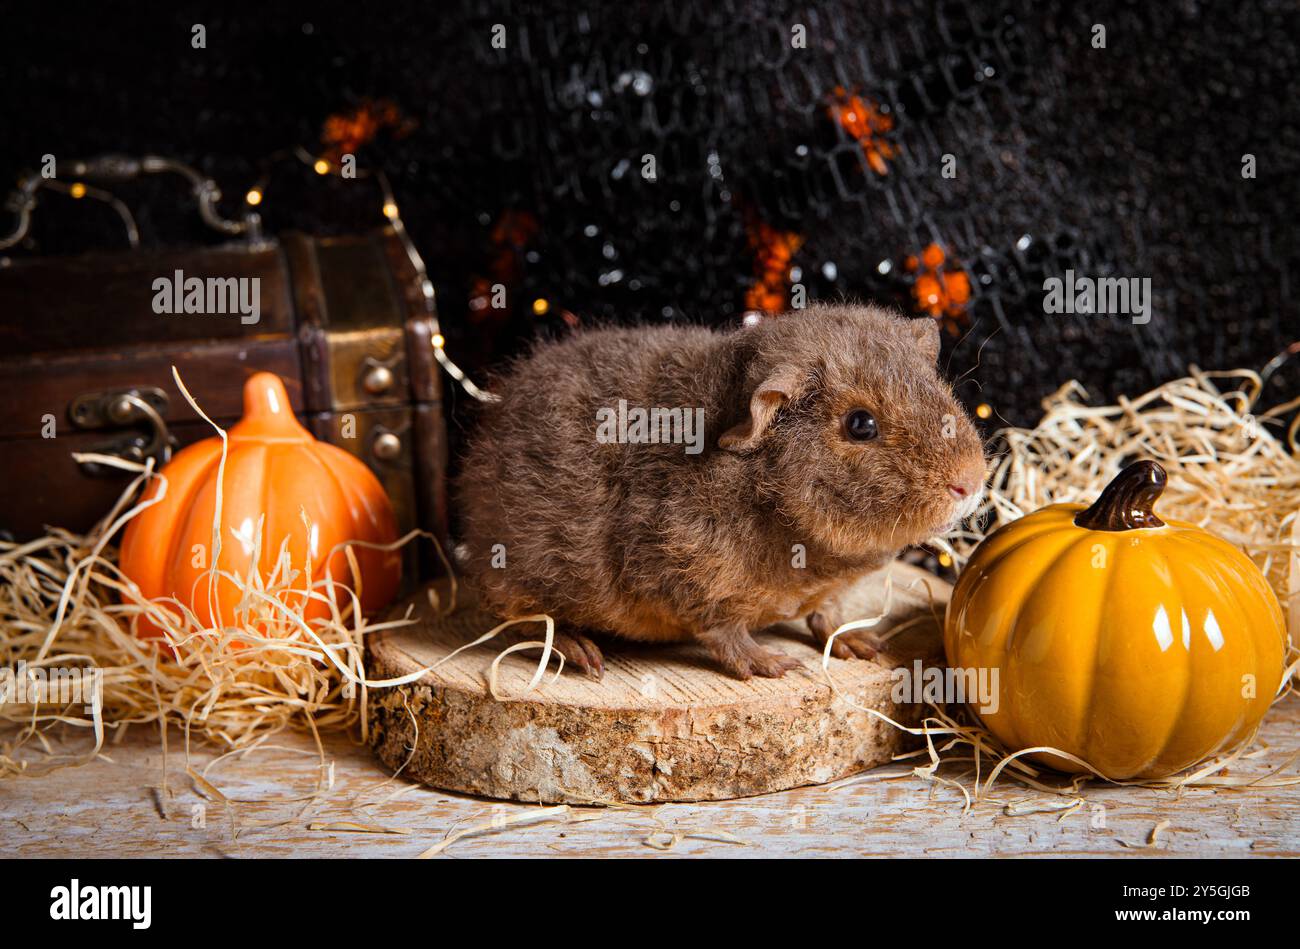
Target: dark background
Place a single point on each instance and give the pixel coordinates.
(521, 166)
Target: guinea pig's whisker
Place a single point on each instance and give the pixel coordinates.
(978, 353)
(957, 345)
(898, 520)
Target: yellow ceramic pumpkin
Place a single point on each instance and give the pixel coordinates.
(1139, 646)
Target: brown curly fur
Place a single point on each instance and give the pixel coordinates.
(651, 543)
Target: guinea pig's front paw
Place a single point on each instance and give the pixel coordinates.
(736, 650)
(861, 643)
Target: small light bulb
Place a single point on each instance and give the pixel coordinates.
(254, 196)
(78, 190)
(390, 210)
(439, 341)
(983, 410)
(322, 166)
(945, 560)
(540, 306)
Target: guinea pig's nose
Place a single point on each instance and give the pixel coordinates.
(967, 480)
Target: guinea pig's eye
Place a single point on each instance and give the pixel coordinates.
(860, 425)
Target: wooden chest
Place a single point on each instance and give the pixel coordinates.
(83, 344)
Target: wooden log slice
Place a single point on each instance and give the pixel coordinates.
(664, 724)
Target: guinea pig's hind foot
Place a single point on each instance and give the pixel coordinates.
(736, 650)
(580, 651)
(577, 649)
(857, 642)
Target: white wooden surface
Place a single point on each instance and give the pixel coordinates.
(117, 809)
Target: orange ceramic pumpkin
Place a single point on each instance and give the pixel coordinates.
(275, 472)
(1138, 645)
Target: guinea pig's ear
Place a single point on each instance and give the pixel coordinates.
(926, 331)
(772, 393)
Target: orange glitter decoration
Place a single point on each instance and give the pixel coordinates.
(862, 119)
(773, 252)
(510, 235)
(347, 132)
(942, 292)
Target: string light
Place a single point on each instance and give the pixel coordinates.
(983, 410)
(23, 202)
(391, 211)
(540, 306)
(945, 560)
(250, 227)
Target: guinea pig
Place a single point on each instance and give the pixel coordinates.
(680, 484)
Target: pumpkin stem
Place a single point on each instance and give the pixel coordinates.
(1127, 502)
(267, 411)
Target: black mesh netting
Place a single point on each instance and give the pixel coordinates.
(775, 167)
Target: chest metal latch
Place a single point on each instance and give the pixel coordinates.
(139, 410)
